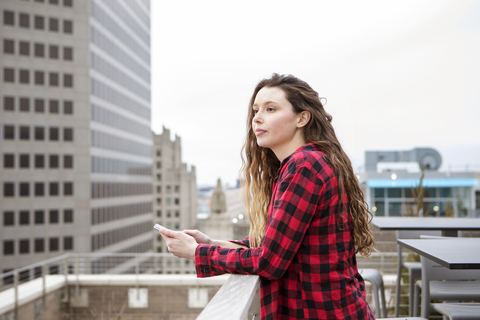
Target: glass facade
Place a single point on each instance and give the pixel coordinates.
(437, 202)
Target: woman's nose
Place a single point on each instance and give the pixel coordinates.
(257, 118)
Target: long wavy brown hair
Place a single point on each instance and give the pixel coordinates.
(260, 165)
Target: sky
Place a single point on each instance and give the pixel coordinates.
(396, 74)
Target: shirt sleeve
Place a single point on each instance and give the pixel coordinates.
(245, 242)
(293, 206)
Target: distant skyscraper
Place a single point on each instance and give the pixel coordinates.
(75, 139)
(175, 197)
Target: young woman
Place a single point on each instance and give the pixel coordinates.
(308, 217)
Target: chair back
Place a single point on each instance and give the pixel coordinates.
(433, 271)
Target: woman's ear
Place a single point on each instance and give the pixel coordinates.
(303, 119)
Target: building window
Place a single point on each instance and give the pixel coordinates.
(24, 189)
(53, 244)
(39, 77)
(8, 75)
(24, 133)
(39, 22)
(9, 160)
(39, 105)
(39, 161)
(39, 217)
(53, 106)
(24, 105)
(24, 20)
(8, 218)
(159, 213)
(53, 134)
(39, 245)
(24, 161)
(53, 52)
(8, 46)
(53, 161)
(67, 26)
(177, 201)
(24, 218)
(68, 188)
(177, 213)
(9, 103)
(39, 189)
(53, 24)
(67, 243)
(24, 48)
(24, 246)
(8, 18)
(53, 79)
(53, 214)
(39, 50)
(8, 247)
(67, 161)
(8, 189)
(68, 53)
(68, 80)
(68, 216)
(24, 76)
(68, 3)
(9, 132)
(67, 134)
(53, 188)
(39, 133)
(177, 189)
(68, 107)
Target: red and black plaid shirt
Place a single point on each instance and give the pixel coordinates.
(306, 263)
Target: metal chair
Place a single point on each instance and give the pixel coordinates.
(414, 268)
(375, 278)
(440, 283)
(458, 311)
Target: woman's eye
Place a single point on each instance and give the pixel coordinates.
(271, 109)
(255, 111)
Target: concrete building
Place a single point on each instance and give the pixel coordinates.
(175, 197)
(389, 191)
(75, 139)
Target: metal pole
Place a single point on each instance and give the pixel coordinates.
(15, 285)
(77, 267)
(136, 277)
(44, 286)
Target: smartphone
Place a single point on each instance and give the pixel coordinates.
(158, 227)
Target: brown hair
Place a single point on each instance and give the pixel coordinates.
(260, 165)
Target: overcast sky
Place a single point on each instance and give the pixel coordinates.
(396, 74)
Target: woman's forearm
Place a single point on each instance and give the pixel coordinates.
(226, 244)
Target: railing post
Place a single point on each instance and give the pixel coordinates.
(44, 286)
(136, 276)
(77, 271)
(15, 285)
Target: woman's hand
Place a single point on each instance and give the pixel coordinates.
(179, 243)
(198, 236)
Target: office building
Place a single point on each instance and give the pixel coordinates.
(75, 139)
(393, 192)
(175, 197)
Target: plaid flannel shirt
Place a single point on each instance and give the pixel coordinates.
(306, 263)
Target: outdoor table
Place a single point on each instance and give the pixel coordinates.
(448, 226)
(455, 253)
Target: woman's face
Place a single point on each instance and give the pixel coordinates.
(275, 124)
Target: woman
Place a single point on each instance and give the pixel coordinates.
(308, 217)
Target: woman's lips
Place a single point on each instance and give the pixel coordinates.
(259, 132)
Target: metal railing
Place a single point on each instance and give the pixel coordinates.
(75, 264)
